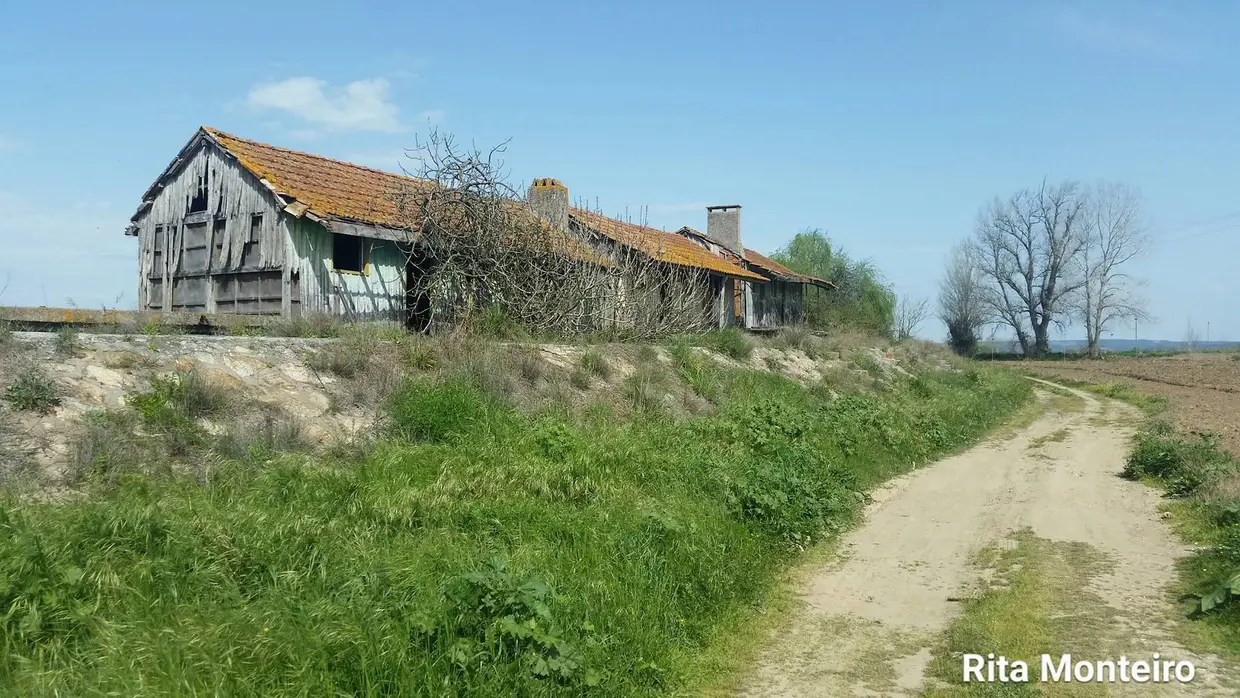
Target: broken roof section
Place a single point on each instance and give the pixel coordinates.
(782, 273)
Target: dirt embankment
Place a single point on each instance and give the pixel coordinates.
(1202, 390)
(332, 390)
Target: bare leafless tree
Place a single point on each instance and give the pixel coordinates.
(1115, 234)
(478, 252)
(1026, 246)
(962, 301)
(909, 314)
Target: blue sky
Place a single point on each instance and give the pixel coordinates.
(886, 124)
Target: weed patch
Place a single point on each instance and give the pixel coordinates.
(594, 364)
(66, 341)
(31, 390)
(1034, 606)
(732, 342)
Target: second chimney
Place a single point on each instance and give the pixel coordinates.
(548, 198)
(723, 225)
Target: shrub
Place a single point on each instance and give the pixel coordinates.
(419, 354)
(173, 406)
(66, 342)
(797, 337)
(865, 361)
(343, 360)
(644, 387)
(129, 359)
(594, 364)
(497, 616)
(494, 323)
(266, 433)
(1184, 465)
(437, 413)
(106, 445)
(32, 391)
(579, 379)
(529, 365)
(6, 334)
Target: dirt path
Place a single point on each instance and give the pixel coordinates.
(872, 617)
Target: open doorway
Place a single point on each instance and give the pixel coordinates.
(418, 309)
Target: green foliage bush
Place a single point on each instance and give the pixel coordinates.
(1195, 469)
(1184, 465)
(863, 300)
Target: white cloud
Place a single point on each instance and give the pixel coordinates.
(363, 105)
(1124, 37)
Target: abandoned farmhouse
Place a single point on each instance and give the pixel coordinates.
(237, 226)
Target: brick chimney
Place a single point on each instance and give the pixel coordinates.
(548, 198)
(723, 225)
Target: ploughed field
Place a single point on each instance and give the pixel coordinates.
(1202, 390)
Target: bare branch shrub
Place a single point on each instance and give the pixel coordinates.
(482, 259)
(909, 315)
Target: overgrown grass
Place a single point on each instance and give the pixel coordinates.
(473, 550)
(732, 342)
(1205, 480)
(595, 364)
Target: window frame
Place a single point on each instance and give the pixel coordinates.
(363, 254)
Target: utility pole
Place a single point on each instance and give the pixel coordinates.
(1207, 331)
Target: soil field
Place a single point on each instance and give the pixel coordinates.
(1202, 389)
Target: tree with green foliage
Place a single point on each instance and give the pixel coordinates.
(861, 300)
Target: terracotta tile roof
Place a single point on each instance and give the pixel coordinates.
(662, 246)
(767, 264)
(336, 189)
(330, 188)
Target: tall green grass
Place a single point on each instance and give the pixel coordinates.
(474, 550)
(1204, 481)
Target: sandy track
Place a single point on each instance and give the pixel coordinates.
(871, 616)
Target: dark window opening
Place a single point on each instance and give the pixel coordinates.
(158, 242)
(218, 230)
(256, 226)
(199, 202)
(348, 253)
